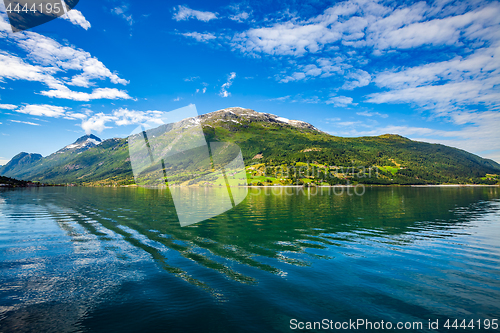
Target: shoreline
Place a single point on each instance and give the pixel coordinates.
(296, 186)
(259, 186)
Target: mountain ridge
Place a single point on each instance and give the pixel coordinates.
(81, 144)
(269, 140)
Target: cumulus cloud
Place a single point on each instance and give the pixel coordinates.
(89, 121)
(183, 13)
(15, 68)
(8, 106)
(287, 38)
(322, 67)
(438, 31)
(47, 52)
(76, 17)
(339, 101)
(239, 13)
(47, 60)
(43, 110)
(225, 86)
(370, 24)
(119, 117)
(124, 116)
(96, 123)
(98, 93)
(336, 43)
(358, 78)
(240, 17)
(444, 85)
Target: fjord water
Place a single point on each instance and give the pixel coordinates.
(76, 259)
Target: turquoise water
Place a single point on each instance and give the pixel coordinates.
(116, 259)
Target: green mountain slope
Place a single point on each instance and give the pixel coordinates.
(271, 144)
(19, 163)
(33, 166)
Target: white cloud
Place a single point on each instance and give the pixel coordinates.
(76, 17)
(90, 122)
(191, 78)
(348, 123)
(96, 123)
(339, 101)
(183, 13)
(371, 114)
(200, 37)
(240, 17)
(121, 11)
(94, 69)
(47, 52)
(52, 111)
(225, 86)
(128, 117)
(344, 22)
(287, 38)
(177, 99)
(43, 110)
(98, 93)
(239, 12)
(119, 117)
(73, 116)
(439, 31)
(46, 59)
(323, 67)
(204, 90)
(24, 122)
(279, 99)
(343, 35)
(358, 78)
(8, 106)
(14, 68)
(460, 81)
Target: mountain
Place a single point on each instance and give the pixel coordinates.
(19, 163)
(82, 144)
(30, 166)
(237, 114)
(270, 143)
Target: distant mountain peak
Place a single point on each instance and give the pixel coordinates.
(83, 143)
(233, 113)
(87, 138)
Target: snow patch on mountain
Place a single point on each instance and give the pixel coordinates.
(82, 144)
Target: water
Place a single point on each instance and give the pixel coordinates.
(116, 259)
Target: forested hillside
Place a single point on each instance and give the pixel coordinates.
(271, 144)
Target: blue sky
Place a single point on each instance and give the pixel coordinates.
(429, 71)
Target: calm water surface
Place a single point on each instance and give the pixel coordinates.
(116, 259)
